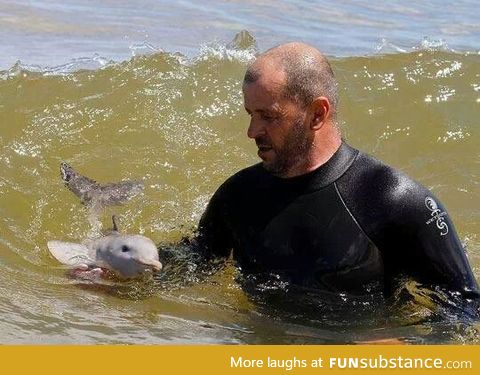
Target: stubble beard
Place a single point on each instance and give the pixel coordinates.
(294, 153)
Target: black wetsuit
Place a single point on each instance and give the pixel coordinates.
(351, 223)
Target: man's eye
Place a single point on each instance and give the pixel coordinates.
(268, 117)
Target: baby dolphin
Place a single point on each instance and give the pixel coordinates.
(92, 193)
(127, 256)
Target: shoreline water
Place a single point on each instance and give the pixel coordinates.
(227, 51)
(48, 33)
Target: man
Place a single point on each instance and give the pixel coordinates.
(317, 211)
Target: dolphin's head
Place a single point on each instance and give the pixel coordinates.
(129, 256)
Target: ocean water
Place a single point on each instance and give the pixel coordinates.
(151, 91)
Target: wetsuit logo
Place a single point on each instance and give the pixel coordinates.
(436, 215)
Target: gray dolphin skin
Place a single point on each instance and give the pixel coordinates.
(92, 193)
(127, 256)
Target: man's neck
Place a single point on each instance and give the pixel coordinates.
(323, 148)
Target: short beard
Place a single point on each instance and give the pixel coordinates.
(293, 153)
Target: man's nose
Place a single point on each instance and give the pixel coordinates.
(255, 129)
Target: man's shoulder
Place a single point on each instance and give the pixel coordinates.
(382, 180)
(244, 177)
(379, 193)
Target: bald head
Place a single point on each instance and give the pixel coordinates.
(304, 71)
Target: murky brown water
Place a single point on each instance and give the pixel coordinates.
(178, 124)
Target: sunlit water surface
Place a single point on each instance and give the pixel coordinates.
(176, 122)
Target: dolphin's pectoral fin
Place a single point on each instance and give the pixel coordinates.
(69, 253)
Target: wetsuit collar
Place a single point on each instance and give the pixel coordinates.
(327, 173)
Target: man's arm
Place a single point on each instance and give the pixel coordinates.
(409, 226)
(201, 256)
(214, 236)
(415, 234)
(421, 241)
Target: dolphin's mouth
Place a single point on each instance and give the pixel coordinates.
(153, 265)
(150, 266)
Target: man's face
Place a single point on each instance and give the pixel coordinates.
(277, 125)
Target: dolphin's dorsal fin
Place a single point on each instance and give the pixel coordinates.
(114, 221)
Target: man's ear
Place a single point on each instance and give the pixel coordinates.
(320, 110)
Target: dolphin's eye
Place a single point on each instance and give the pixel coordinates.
(125, 249)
